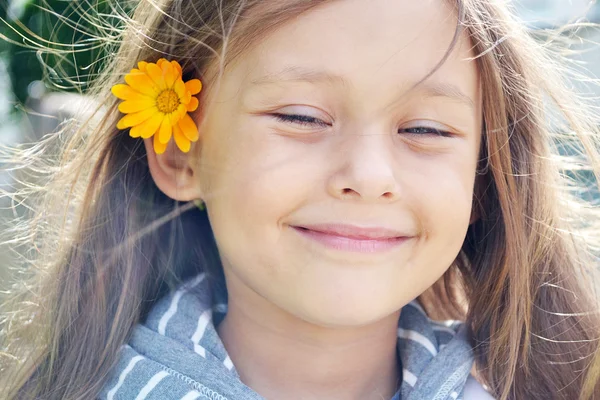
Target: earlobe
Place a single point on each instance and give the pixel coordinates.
(173, 172)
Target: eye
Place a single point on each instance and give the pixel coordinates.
(299, 119)
(425, 131)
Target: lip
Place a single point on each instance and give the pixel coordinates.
(353, 238)
(355, 232)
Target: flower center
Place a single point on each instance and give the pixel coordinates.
(167, 101)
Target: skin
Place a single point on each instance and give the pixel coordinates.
(306, 321)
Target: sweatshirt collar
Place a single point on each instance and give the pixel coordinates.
(179, 336)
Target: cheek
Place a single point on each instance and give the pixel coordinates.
(264, 183)
(256, 183)
(444, 201)
(268, 174)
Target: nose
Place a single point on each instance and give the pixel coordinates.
(365, 169)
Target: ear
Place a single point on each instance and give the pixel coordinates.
(174, 171)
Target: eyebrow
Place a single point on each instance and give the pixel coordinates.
(299, 74)
(447, 90)
(308, 75)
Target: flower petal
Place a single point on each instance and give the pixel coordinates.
(168, 74)
(182, 142)
(135, 132)
(187, 98)
(192, 105)
(132, 106)
(188, 127)
(156, 75)
(194, 86)
(140, 82)
(180, 90)
(176, 115)
(177, 68)
(159, 147)
(160, 62)
(149, 127)
(136, 118)
(126, 92)
(142, 65)
(180, 112)
(165, 131)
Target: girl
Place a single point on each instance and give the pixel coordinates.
(368, 168)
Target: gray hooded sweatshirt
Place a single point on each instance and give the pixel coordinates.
(177, 354)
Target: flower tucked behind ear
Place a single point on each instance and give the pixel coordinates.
(157, 102)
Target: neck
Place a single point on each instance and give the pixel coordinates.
(281, 356)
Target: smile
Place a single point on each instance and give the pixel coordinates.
(360, 243)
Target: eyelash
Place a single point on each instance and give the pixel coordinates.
(430, 131)
(299, 119)
(308, 121)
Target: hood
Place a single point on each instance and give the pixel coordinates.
(177, 354)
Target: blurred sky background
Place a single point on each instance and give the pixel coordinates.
(21, 73)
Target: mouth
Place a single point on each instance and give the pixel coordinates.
(353, 239)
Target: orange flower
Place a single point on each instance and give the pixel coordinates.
(157, 102)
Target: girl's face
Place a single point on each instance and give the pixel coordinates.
(320, 123)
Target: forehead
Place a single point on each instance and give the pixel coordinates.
(366, 45)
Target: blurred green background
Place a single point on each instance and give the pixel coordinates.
(59, 27)
(49, 49)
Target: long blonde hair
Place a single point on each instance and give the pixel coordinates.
(105, 243)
